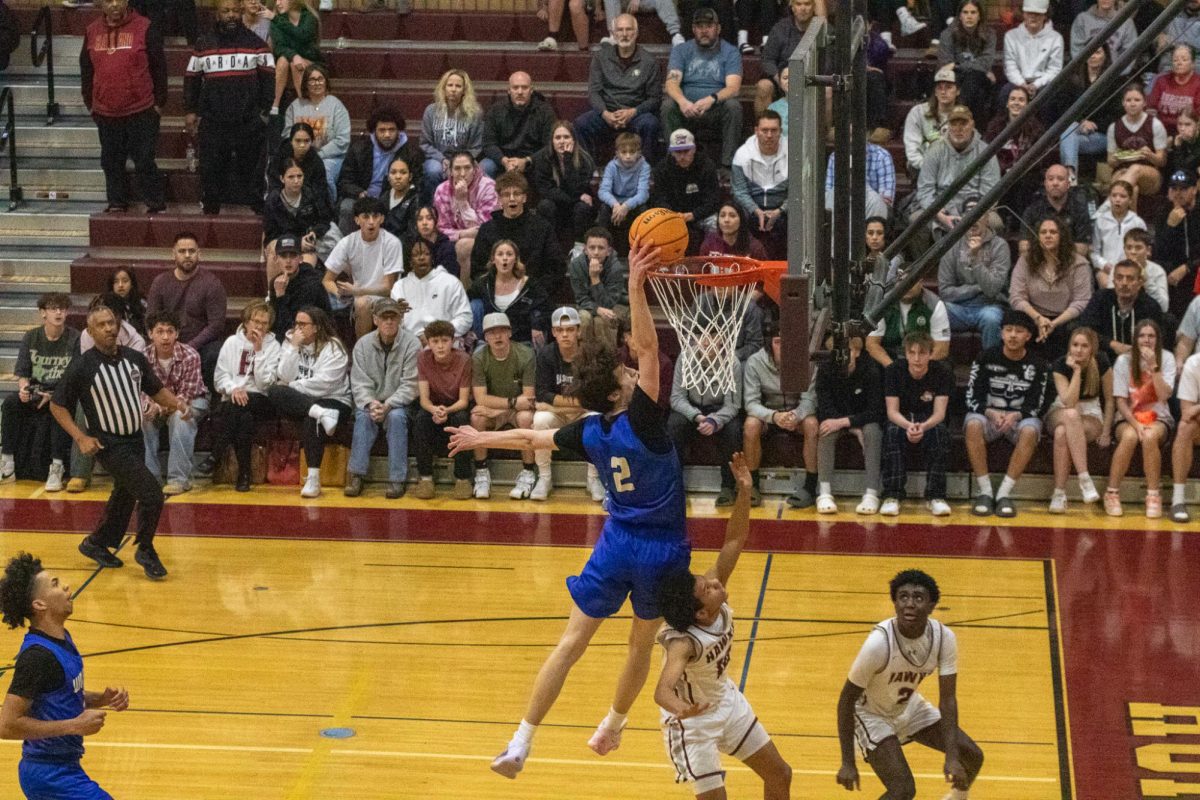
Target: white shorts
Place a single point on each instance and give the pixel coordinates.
(870, 729)
(695, 744)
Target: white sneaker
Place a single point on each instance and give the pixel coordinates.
(869, 504)
(54, 481)
(608, 40)
(890, 507)
(939, 508)
(8, 469)
(595, 487)
(605, 740)
(312, 486)
(541, 489)
(1089, 491)
(483, 490)
(511, 761)
(887, 39)
(329, 420)
(524, 487)
(677, 39)
(549, 43)
(1058, 502)
(908, 23)
(826, 504)
(326, 5)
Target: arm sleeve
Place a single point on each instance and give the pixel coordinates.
(648, 420)
(1018, 292)
(605, 193)
(733, 399)
(491, 146)
(36, 673)
(1035, 400)
(948, 657)
(873, 390)
(193, 80)
(406, 392)
(24, 366)
(1054, 66)
(752, 394)
(70, 386)
(545, 386)
(1081, 289)
(913, 139)
(986, 61)
(215, 305)
(871, 659)
(596, 85)
(1012, 70)
(654, 89)
(741, 191)
(428, 148)
(643, 186)
(976, 388)
(338, 134)
(151, 385)
(680, 402)
(948, 287)
(570, 438)
(362, 385)
(86, 73)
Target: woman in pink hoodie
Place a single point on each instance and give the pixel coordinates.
(464, 201)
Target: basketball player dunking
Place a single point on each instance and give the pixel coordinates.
(644, 536)
(881, 706)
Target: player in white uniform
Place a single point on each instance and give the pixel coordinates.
(880, 704)
(704, 713)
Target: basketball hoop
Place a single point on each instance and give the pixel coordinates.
(705, 299)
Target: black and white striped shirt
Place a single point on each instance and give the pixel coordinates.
(109, 389)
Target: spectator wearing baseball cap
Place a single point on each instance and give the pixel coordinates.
(928, 122)
(1033, 55)
(297, 285)
(686, 182)
(383, 380)
(1177, 245)
(968, 45)
(502, 385)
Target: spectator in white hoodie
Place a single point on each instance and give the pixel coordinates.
(760, 182)
(245, 371)
(313, 387)
(1113, 220)
(1033, 53)
(431, 293)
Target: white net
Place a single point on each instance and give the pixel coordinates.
(707, 320)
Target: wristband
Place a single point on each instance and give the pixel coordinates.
(712, 422)
(512, 403)
(715, 98)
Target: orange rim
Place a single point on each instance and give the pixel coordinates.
(749, 271)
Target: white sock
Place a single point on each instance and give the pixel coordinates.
(614, 721)
(743, 37)
(957, 794)
(1006, 486)
(524, 734)
(984, 482)
(871, 493)
(274, 110)
(314, 473)
(824, 488)
(1084, 479)
(1178, 494)
(56, 462)
(315, 411)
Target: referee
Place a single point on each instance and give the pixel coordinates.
(108, 381)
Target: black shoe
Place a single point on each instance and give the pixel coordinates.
(99, 554)
(801, 498)
(206, 467)
(354, 485)
(395, 490)
(243, 483)
(210, 210)
(726, 497)
(158, 208)
(116, 208)
(149, 561)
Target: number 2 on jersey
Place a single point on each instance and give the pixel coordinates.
(621, 477)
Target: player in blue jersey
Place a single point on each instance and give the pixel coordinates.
(46, 705)
(644, 536)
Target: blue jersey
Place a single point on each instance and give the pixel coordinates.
(645, 488)
(65, 702)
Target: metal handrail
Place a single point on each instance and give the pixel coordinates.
(8, 136)
(45, 23)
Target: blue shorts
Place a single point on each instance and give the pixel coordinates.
(623, 565)
(44, 780)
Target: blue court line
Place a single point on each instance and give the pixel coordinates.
(762, 593)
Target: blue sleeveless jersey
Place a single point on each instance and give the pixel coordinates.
(645, 489)
(65, 702)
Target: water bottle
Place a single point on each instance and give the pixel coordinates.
(190, 156)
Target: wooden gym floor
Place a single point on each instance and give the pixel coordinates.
(419, 628)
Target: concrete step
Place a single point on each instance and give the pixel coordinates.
(34, 284)
(41, 224)
(16, 263)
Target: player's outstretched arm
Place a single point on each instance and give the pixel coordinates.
(678, 651)
(643, 336)
(467, 438)
(738, 527)
(847, 775)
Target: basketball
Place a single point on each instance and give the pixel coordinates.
(662, 228)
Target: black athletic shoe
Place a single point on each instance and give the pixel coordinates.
(100, 555)
(243, 483)
(395, 490)
(157, 208)
(149, 561)
(206, 467)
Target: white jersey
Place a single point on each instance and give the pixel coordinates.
(890, 667)
(704, 679)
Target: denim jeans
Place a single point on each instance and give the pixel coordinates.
(1073, 143)
(985, 319)
(395, 425)
(181, 435)
(592, 131)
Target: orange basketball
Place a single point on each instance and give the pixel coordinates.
(662, 228)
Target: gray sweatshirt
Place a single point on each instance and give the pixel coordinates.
(690, 403)
(760, 389)
(442, 134)
(389, 377)
(979, 280)
(610, 292)
(943, 164)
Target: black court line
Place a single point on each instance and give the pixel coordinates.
(441, 566)
(1056, 676)
(944, 594)
(762, 593)
(99, 569)
(79, 620)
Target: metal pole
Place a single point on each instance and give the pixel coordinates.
(858, 140)
(51, 104)
(843, 159)
(926, 216)
(15, 194)
(1050, 138)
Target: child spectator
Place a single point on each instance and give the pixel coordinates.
(123, 283)
(444, 389)
(1139, 247)
(1114, 219)
(1005, 398)
(1082, 412)
(600, 284)
(624, 190)
(383, 380)
(1137, 146)
(1142, 383)
(916, 393)
(503, 386)
(848, 401)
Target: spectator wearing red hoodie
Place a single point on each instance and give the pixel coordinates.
(123, 72)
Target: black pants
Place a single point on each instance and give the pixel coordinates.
(576, 218)
(16, 416)
(230, 155)
(976, 91)
(294, 405)
(237, 425)
(430, 438)
(729, 440)
(133, 137)
(935, 445)
(878, 104)
(133, 483)
(209, 354)
(620, 232)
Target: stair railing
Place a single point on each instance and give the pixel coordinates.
(45, 24)
(8, 140)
